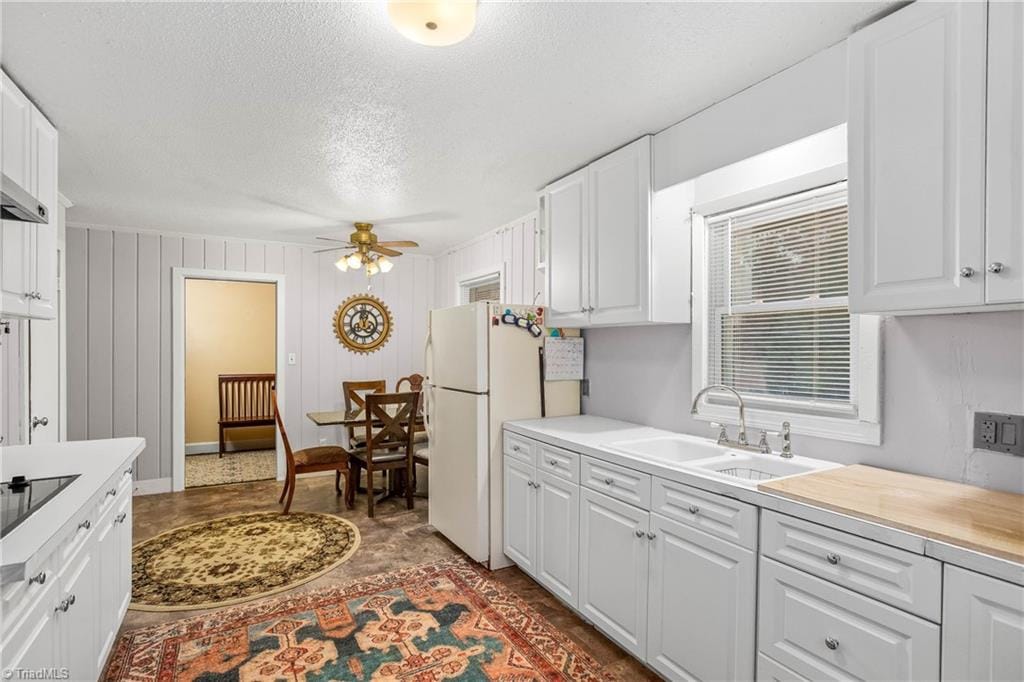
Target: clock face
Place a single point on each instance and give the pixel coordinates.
(362, 323)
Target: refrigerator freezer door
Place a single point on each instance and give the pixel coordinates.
(457, 348)
(458, 476)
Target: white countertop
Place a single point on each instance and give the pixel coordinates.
(591, 435)
(95, 462)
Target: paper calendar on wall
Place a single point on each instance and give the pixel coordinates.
(563, 358)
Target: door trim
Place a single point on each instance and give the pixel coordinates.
(178, 277)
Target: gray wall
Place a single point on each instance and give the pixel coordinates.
(937, 371)
(119, 330)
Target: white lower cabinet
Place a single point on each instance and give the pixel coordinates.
(825, 632)
(613, 568)
(519, 524)
(701, 603)
(79, 610)
(983, 627)
(558, 536)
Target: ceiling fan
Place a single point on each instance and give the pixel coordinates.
(368, 251)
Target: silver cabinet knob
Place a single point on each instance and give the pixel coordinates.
(85, 525)
(111, 492)
(995, 267)
(640, 532)
(651, 535)
(38, 578)
(40, 421)
(129, 470)
(832, 643)
(553, 462)
(694, 509)
(515, 448)
(832, 558)
(120, 517)
(63, 606)
(609, 481)
(967, 272)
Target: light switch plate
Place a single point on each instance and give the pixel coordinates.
(291, 358)
(999, 432)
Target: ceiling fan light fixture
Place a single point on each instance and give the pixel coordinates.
(342, 263)
(355, 260)
(385, 264)
(437, 23)
(372, 268)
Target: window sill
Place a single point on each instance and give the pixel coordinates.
(834, 428)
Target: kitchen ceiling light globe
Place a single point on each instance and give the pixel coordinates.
(436, 23)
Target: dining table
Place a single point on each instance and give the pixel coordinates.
(355, 417)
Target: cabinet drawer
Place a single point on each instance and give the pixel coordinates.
(621, 483)
(559, 462)
(771, 671)
(824, 632)
(17, 598)
(518, 447)
(714, 514)
(902, 579)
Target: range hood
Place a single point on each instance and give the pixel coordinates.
(18, 204)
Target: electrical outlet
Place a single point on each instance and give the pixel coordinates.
(999, 432)
(291, 358)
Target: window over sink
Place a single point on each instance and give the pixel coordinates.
(771, 284)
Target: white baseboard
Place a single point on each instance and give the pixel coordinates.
(231, 445)
(152, 486)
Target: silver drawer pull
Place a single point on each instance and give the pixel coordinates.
(120, 517)
(832, 643)
(640, 532)
(515, 448)
(38, 578)
(129, 470)
(608, 481)
(651, 535)
(85, 525)
(111, 492)
(694, 509)
(832, 558)
(553, 462)
(63, 606)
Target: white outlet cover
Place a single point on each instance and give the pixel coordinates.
(291, 358)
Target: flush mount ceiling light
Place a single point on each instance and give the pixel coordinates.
(433, 22)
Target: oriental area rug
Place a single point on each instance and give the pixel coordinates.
(438, 621)
(233, 559)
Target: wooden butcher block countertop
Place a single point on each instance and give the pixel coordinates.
(967, 516)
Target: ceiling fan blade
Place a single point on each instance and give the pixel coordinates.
(398, 243)
(336, 248)
(332, 239)
(386, 251)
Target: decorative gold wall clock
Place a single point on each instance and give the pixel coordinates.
(362, 323)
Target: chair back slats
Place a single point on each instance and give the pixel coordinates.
(415, 382)
(246, 398)
(387, 429)
(354, 393)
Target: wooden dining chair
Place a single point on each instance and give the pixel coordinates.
(421, 453)
(415, 382)
(389, 442)
(319, 458)
(355, 393)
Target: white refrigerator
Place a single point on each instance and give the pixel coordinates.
(483, 368)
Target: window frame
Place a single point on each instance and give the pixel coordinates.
(474, 279)
(865, 332)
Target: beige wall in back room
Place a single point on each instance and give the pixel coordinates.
(229, 329)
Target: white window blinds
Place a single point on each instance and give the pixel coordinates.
(485, 291)
(778, 325)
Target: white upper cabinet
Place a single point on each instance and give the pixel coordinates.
(564, 210)
(917, 159)
(28, 251)
(1004, 246)
(615, 256)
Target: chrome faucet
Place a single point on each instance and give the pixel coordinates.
(741, 437)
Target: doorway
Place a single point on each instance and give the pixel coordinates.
(227, 348)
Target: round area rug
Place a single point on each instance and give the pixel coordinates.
(236, 558)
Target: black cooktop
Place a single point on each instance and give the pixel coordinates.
(20, 497)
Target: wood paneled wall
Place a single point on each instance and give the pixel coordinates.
(510, 247)
(119, 330)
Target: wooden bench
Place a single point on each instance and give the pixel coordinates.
(246, 400)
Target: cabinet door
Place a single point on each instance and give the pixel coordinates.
(16, 120)
(35, 644)
(558, 536)
(613, 569)
(108, 553)
(1004, 222)
(44, 247)
(123, 523)
(520, 522)
(917, 159)
(15, 269)
(702, 602)
(982, 627)
(79, 624)
(566, 217)
(619, 186)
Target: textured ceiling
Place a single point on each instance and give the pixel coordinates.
(282, 121)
